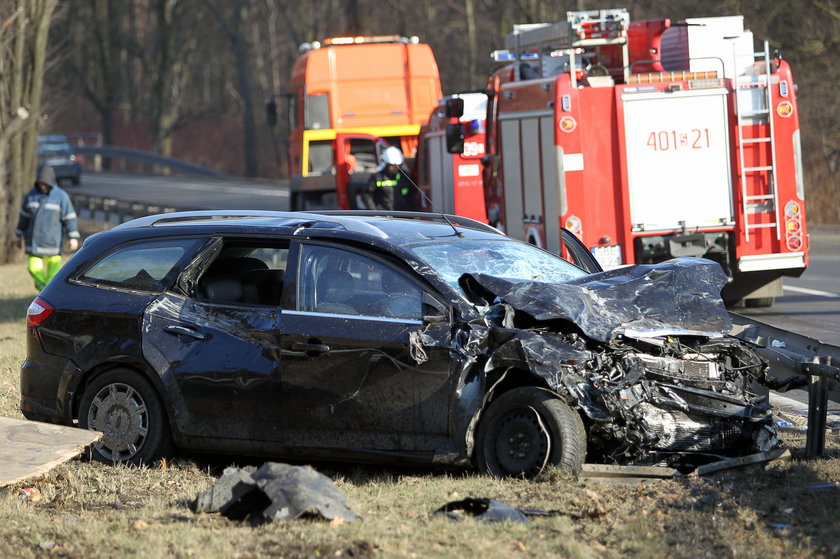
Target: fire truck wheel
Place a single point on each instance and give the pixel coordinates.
(527, 429)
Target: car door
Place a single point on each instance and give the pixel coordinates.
(356, 158)
(365, 352)
(215, 344)
(576, 252)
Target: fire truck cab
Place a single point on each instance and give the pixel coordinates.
(347, 97)
(650, 140)
(449, 153)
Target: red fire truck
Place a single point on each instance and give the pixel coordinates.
(348, 95)
(448, 163)
(650, 140)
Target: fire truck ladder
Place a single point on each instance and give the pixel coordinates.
(753, 203)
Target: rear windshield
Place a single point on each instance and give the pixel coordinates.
(503, 258)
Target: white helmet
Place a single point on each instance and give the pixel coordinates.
(391, 156)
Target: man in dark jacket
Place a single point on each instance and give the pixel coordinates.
(46, 216)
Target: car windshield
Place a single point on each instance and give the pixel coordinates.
(503, 258)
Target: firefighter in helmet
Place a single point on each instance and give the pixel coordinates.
(389, 188)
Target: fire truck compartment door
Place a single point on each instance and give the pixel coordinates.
(678, 159)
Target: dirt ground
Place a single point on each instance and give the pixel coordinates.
(82, 509)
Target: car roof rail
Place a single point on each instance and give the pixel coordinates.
(300, 220)
(198, 215)
(427, 216)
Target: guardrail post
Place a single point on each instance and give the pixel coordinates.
(821, 373)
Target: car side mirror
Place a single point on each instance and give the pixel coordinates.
(455, 138)
(433, 310)
(455, 107)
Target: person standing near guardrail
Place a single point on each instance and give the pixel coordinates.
(46, 217)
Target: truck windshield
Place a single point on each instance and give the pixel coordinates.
(503, 258)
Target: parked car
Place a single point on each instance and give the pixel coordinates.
(387, 337)
(57, 152)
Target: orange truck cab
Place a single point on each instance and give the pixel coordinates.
(347, 98)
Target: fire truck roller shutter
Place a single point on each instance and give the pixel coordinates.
(512, 169)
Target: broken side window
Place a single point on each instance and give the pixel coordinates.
(251, 273)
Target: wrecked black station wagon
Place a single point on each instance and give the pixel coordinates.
(387, 338)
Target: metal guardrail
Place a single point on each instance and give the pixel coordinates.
(110, 211)
(150, 158)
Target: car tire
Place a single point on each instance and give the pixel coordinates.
(125, 407)
(527, 429)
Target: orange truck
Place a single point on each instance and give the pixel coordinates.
(347, 98)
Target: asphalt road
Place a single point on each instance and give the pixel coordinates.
(187, 192)
(811, 302)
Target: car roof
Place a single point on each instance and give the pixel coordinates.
(396, 227)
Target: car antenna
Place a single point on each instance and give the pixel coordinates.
(432, 204)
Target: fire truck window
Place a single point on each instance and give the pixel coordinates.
(320, 158)
(365, 153)
(317, 112)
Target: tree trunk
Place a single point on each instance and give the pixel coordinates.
(19, 137)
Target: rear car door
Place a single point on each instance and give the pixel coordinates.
(217, 347)
(365, 352)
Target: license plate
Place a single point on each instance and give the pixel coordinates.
(607, 256)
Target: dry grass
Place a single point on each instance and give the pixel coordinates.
(91, 510)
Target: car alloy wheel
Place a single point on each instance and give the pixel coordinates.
(124, 407)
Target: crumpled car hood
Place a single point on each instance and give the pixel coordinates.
(674, 298)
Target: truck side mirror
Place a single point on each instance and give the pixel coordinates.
(455, 107)
(271, 113)
(455, 138)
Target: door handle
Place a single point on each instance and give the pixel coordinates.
(310, 348)
(184, 331)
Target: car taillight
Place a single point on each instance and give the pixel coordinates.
(38, 312)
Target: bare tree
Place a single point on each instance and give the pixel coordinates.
(234, 23)
(23, 45)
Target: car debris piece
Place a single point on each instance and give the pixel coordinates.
(485, 510)
(740, 461)
(626, 475)
(226, 495)
(31, 448)
(274, 492)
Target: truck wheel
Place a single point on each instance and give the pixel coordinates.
(527, 429)
(125, 408)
